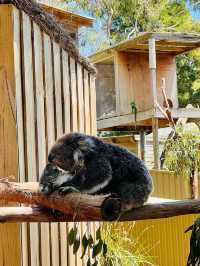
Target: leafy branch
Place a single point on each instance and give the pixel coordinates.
(96, 246)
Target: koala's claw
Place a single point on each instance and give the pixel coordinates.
(65, 190)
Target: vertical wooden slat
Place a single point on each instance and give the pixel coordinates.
(87, 117)
(18, 87)
(74, 115)
(59, 130)
(80, 104)
(50, 132)
(45, 244)
(58, 99)
(74, 127)
(93, 105)
(93, 124)
(87, 103)
(19, 121)
(20, 129)
(30, 127)
(66, 91)
(81, 128)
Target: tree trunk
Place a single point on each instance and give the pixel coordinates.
(194, 184)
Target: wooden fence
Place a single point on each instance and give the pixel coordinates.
(163, 241)
(53, 94)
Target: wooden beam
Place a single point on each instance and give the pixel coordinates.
(181, 113)
(125, 119)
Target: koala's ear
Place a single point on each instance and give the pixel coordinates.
(86, 144)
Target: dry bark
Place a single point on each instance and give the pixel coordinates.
(82, 207)
(75, 205)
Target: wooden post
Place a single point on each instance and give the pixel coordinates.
(142, 145)
(155, 143)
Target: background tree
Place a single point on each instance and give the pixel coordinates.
(183, 156)
(188, 75)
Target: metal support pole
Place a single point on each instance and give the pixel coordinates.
(152, 68)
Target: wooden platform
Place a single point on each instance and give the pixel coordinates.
(144, 119)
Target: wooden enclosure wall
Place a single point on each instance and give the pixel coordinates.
(164, 240)
(9, 233)
(127, 142)
(54, 95)
(133, 80)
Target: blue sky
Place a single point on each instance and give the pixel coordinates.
(195, 14)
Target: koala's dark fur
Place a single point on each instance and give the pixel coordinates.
(78, 162)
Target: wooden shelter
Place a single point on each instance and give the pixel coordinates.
(70, 21)
(46, 89)
(134, 73)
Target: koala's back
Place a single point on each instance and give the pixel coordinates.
(126, 166)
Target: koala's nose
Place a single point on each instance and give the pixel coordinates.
(44, 189)
(51, 157)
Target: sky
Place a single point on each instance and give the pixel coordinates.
(195, 14)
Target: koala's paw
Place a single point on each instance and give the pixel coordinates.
(56, 213)
(111, 208)
(66, 190)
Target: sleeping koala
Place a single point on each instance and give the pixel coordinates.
(81, 163)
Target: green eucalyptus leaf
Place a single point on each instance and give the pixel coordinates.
(105, 249)
(76, 244)
(95, 263)
(89, 262)
(90, 240)
(97, 248)
(98, 233)
(71, 237)
(85, 244)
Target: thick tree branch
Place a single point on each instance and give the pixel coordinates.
(154, 210)
(75, 205)
(82, 207)
(28, 214)
(161, 208)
